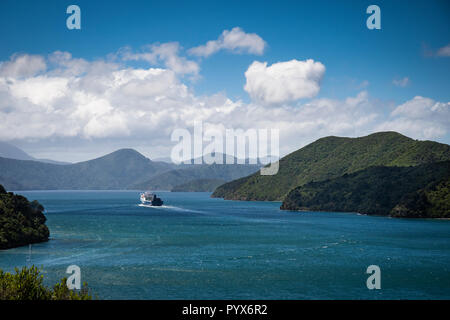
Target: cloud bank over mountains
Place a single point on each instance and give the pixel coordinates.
(59, 97)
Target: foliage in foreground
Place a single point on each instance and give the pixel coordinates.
(27, 284)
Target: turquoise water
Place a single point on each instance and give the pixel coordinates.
(196, 247)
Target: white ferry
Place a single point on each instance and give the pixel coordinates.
(151, 199)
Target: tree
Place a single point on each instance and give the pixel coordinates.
(27, 284)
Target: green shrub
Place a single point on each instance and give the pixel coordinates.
(27, 284)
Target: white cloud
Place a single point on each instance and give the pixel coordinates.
(80, 100)
(66, 65)
(234, 40)
(363, 84)
(420, 117)
(444, 51)
(167, 53)
(401, 82)
(421, 107)
(441, 52)
(40, 90)
(78, 109)
(283, 81)
(22, 66)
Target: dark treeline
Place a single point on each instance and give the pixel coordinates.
(421, 191)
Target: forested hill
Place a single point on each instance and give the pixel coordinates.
(21, 222)
(332, 157)
(421, 191)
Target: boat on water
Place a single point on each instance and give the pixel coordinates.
(150, 198)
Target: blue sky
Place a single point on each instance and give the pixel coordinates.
(333, 33)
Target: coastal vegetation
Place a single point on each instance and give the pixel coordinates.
(421, 191)
(432, 201)
(333, 157)
(27, 284)
(21, 222)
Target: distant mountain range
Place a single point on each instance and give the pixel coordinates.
(9, 151)
(178, 178)
(122, 169)
(332, 157)
(199, 185)
(227, 159)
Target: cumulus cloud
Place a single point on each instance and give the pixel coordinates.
(94, 107)
(441, 52)
(168, 53)
(234, 40)
(65, 64)
(444, 51)
(80, 100)
(22, 66)
(420, 117)
(96, 100)
(283, 81)
(401, 82)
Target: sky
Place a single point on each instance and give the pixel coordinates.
(138, 70)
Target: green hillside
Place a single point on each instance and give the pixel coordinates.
(331, 157)
(21, 222)
(432, 201)
(420, 191)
